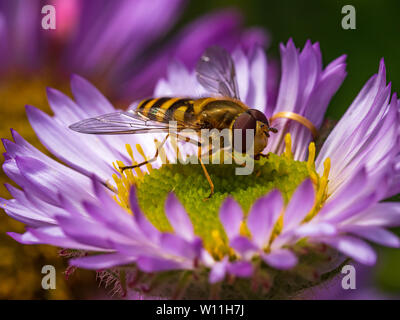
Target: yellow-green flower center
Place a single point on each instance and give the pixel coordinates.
(190, 186)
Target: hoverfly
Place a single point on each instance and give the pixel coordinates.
(216, 73)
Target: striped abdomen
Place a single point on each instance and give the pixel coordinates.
(167, 109)
(216, 113)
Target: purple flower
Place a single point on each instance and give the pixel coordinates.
(329, 206)
(113, 41)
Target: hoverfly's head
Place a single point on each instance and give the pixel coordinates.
(257, 121)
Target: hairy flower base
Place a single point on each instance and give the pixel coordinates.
(317, 265)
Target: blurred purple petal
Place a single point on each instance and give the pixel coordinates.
(102, 261)
(218, 271)
(299, 206)
(153, 264)
(263, 215)
(375, 234)
(244, 247)
(242, 269)
(353, 247)
(145, 225)
(280, 259)
(231, 216)
(178, 246)
(178, 218)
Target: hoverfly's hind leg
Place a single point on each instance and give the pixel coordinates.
(147, 161)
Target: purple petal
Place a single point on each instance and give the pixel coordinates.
(109, 212)
(102, 261)
(385, 214)
(222, 28)
(152, 264)
(355, 137)
(88, 232)
(22, 209)
(280, 259)
(178, 217)
(299, 206)
(175, 245)
(242, 73)
(86, 94)
(145, 225)
(244, 247)
(24, 238)
(263, 216)
(231, 216)
(288, 90)
(242, 269)
(71, 147)
(353, 247)
(315, 230)
(218, 271)
(46, 181)
(257, 93)
(375, 234)
(52, 235)
(342, 198)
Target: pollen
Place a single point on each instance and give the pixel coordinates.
(188, 183)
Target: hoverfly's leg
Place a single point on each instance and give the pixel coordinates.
(186, 139)
(147, 161)
(206, 174)
(236, 160)
(199, 156)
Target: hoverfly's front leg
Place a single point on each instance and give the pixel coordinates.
(236, 160)
(147, 161)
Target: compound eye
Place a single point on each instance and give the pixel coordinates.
(259, 116)
(242, 123)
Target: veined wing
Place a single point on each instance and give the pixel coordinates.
(122, 122)
(216, 72)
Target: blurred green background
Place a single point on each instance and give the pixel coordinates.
(376, 36)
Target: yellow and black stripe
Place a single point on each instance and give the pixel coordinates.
(167, 109)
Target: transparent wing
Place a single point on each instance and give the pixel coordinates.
(216, 72)
(121, 122)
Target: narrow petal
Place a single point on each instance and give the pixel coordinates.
(152, 264)
(231, 216)
(299, 206)
(374, 234)
(385, 214)
(145, 225)
(244, 247)
(263, 215)
(86, 94)
(102, 261)
(218, 271)
(257, 93)
(280, 259)
(178, 217)
(242, 269)
(176, 245)
(316, 230)
(353, 247)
